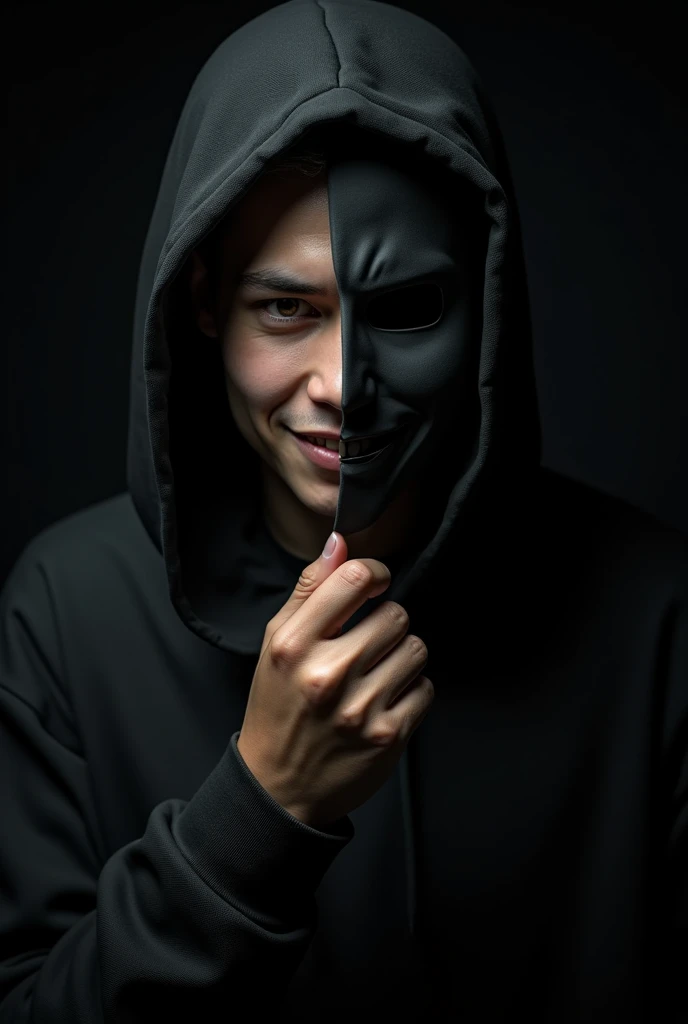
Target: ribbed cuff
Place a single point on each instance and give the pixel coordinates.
(248, 848)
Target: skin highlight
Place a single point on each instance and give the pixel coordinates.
(282, 356)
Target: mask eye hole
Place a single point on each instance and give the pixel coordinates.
(406, 309)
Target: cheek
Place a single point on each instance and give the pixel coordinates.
(264, 375)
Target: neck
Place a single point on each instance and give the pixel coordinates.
(303, 532)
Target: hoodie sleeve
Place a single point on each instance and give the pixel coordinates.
(192, 917)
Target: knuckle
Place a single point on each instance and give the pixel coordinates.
(306, 579)
(356, 573)
(350, 718)
(417, 647)
(397, 613)
(286, 648)
(382, 736)
(317, 684)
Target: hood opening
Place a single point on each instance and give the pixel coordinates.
(194, 481)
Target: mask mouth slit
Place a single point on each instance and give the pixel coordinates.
(358, 460)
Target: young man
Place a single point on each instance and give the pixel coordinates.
(283, 369)
(435, 772)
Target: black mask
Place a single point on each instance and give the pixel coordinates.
(400, 259)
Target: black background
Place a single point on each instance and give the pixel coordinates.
(591, 101)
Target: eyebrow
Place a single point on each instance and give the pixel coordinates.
(278, 280)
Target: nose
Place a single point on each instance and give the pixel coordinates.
(325, 362)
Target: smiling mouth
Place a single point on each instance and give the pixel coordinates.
(357, 450)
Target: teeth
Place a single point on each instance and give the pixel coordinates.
(346, 449)
(349, 449)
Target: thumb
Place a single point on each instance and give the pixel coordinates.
(332, 556)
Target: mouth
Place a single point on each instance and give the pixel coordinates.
(355, 450)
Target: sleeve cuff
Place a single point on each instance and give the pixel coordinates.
(248, 848)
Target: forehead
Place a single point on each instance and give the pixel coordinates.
(284, 210)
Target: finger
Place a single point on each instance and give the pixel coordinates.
(312, 576)
(336, 600)
(373, 637)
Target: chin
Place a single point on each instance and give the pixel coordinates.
(322, 504)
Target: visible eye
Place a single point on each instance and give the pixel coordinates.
(291, 303)
(406, 309)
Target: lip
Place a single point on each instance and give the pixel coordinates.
(331, 435)
(321, 457)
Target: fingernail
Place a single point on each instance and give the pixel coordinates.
(330, 545)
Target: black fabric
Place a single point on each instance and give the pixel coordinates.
(529, 857)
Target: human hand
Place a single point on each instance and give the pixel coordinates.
(328, 715)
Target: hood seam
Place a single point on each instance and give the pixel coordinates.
(334, 45)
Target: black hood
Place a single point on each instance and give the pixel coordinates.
(194, 481)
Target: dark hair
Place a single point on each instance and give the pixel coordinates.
(304, 156)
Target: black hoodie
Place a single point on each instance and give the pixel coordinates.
(529, 857)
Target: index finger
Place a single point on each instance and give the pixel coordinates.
(322, 616)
